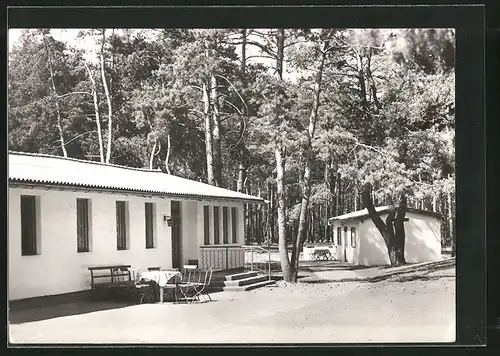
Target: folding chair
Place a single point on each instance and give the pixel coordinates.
(187, 272)
(202, 289)
(188, 289)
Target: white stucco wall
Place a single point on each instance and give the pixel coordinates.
(59, 268)
(372, 250)
(423, 238)
(422, 244)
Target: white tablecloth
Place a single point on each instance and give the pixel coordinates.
(162, 277)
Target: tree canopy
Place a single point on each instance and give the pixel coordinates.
(324, 110)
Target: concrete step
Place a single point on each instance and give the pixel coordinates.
(246, 281)
(249, 286)
(243, 275)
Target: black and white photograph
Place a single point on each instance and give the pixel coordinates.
(231, 185)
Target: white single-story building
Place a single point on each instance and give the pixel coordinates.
(359, 242)
(68, 214)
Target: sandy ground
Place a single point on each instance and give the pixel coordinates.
(420, 308)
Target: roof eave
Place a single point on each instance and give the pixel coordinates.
(89, 188)
(382, 211)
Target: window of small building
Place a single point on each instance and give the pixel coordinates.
(234, 224)
(216, 225)
(206, 225)
(353, 236)
(225, 225)
(149, 216)
(83, 220)
(339, 236)
(122, 225)
(30, 234)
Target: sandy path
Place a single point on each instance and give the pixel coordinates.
(386, 311)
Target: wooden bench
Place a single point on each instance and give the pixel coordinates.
(109, 277)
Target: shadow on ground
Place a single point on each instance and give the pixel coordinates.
(26, 315)
(434, 271)
(21, 315)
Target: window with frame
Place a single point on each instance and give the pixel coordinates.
(339, 236)
(353, 236)
(29, 231)
(234, 224)
(121, 225)
(83, 225)
(206, 225)
(216, 226)
(149, 216)
(225, 225)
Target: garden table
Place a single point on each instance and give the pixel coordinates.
(162, 279)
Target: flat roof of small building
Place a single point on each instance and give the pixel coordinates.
(41, 169)
(360, 214)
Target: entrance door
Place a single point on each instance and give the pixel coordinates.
(175, 214)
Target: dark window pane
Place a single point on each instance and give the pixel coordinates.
(225, 225)
(149, 219)
(28, 225)
(216, 226)
(234, 226)
(206, 225)
(339, 236)
(82, 221)
(121, 227)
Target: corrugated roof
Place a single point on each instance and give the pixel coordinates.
(55, 170)
(380, 209)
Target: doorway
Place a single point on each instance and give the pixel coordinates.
(175, 213)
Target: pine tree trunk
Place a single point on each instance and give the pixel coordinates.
(281, 210)
(339, 195)
(306, 184)
(217, 159)
(208, 136)
(152, 155)
(286, 266)
(58, 108)
(451, 227)
(169, 149)
(271, 211)
(242, 170)
(392, 230)
(97, 117)
(108, 99)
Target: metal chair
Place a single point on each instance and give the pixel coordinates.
(189, 288)
(202, 289)
(187, 273)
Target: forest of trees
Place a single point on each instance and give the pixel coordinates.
(315, 121)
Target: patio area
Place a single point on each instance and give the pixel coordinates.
(421, 309)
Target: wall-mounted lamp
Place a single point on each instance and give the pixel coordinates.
(168, 219)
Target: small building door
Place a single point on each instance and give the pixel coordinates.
(175, 213)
